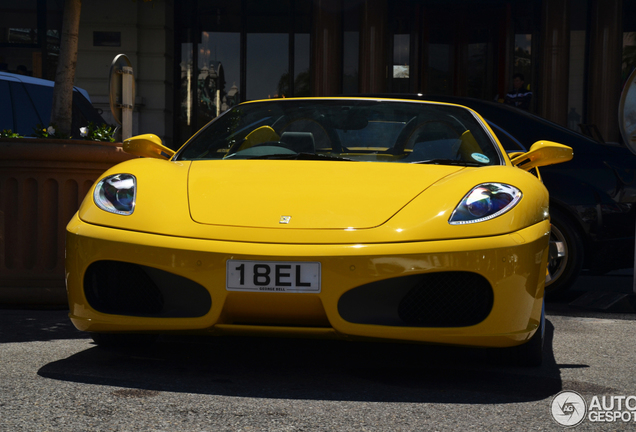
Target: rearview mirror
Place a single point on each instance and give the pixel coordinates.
(543, 153)
(147, 145)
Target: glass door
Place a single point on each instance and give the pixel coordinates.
(236, 50)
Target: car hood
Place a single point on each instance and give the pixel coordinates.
(305, 194)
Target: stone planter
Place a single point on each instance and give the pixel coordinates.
(42, 184)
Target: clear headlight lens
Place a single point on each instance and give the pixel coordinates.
(484, 202)
(116, 194)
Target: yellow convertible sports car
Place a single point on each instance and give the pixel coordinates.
(349, 218)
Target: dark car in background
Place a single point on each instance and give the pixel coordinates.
(592, 197)
(25, 102)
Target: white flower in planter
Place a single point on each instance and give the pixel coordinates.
(50, 130)
(83, 131)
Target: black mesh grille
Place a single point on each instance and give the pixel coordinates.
(445, 299)
(448, 299)
(122, 288)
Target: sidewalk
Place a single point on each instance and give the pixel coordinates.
(609, 293)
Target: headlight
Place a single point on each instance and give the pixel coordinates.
(485, 202)
(116, 194)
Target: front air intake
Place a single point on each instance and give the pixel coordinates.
(121, 288)
(449, 299)
(445, 299)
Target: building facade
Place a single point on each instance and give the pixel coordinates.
(195, 58)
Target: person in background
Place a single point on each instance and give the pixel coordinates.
(21, 70)
(520, 96)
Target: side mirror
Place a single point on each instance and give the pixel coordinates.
(543, 153)
(147, 145)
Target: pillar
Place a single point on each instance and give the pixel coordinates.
(604, 81)
(327, 48)
(553, 86)
(373, 46)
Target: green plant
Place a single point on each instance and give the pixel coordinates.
(104, 132)
(49, 132)
(8, 133)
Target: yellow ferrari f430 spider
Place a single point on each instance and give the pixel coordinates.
(350, 218)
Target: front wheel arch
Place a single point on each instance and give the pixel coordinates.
(566, 239)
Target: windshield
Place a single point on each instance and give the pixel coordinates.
(368, 130)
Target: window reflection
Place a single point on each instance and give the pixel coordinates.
(524, 26)
(479, 74)
(267, 65)
(401, 68)
(401, 55)
(212, 87)
(186, 83)
(350, 48)
(237, 51)
(218, 73)
(19, 23)
(440, 73)
(30, 45)
(301, 65)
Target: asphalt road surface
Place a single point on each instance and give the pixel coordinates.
(53, 378)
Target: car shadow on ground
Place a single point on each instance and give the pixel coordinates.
(315, 370)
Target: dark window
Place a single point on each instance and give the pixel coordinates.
(239, 50)
(30, 37)
(400, 72)
(267, 50)
(350, 48)
(302, 47)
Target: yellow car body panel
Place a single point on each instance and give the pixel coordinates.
(432, 193)
(507, 261)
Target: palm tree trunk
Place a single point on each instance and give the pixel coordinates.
(61, 113)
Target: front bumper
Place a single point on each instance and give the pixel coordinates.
(513, 266)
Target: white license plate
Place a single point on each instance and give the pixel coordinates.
(273, 276)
